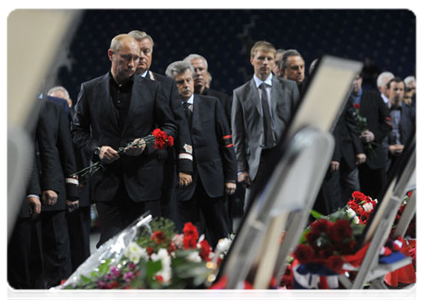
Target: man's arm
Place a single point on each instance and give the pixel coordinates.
(81, 126)
(238, 134)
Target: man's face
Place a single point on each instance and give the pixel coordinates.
(125, 60)
(396, 92)
(276, 67)
(263, 63)
(200, 75)
(295, 69)
(357, 84)
(146, 56)
(412, 86)
(185, 84)
(408, 97)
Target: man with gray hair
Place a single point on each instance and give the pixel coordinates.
(214, 171)
(200, 83)
(382, 81)
(178, 164)
(292, 67)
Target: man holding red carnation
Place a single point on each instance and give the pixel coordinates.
(113, 111)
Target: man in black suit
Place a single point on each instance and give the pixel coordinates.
(403, 121)
(214, 157)
(117, 110)
(59, 189)
(371, 106)
(292, 67)
(178, 164)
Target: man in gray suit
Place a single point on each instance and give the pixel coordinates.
(261, 110)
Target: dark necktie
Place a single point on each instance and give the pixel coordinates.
(267, 120)
(188, 112)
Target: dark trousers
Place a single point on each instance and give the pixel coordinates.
(56, 249)
(372, 182)
(116, 215)
(214, 211)
(168, 201)
(79, 227)
(24, 255)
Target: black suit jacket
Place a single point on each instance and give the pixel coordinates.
(96, 124)
(214, 156)
(224, 99)
(379, 122)
(56, 156)
(348, 143)
(182, 151)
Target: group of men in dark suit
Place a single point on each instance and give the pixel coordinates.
(221, 144)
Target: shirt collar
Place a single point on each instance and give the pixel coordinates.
(258, 81)
(190, 100)
(144, 74)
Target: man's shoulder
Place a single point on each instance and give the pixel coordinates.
(283, 82)
(96, 80)
(244, 87)
(205, 98)
(210, 92)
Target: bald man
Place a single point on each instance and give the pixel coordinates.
(112, 111)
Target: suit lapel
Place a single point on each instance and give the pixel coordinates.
(253, 96)
(196, 111)
(107, 102)
(276, 93)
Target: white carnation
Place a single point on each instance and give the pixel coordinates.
(164, 257)
(368, 207)
(134, 252)
(351, 213)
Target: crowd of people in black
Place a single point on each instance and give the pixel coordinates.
(221, 145)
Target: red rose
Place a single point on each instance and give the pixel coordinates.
(340, 230)
(158, 237)
(190, 230)
(413, 230)
(149, 251)
(335, 263)
(321, 225)
(356, 105)
(304, 254)
(311, 239)
(205, 250)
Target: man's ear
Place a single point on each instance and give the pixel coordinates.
(110, 53)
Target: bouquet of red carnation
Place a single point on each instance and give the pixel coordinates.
(323, 243)
(160, 139)
(362, 206)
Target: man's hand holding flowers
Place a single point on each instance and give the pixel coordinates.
(108, 155)
(135, 148)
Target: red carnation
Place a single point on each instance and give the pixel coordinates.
(190, 242)
(190, 230)
(409, 194)
(360, 196)
(340, 230)
(356, 105)
(205, 250)
(304, 254)
(321, 225)
(335, 263)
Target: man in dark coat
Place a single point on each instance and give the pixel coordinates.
(119, 110)
(403, 121)
(378, 125)
(214, 158)
(59, 189)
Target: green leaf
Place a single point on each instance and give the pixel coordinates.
(315, 214)
(152, 267)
